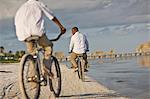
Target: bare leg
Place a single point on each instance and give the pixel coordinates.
(30, 50)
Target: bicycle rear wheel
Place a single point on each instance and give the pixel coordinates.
(79, 68)
(55, 82)
(29, 90)
(81, 74)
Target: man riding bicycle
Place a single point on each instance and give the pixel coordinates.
(78, 45)
(29, 21)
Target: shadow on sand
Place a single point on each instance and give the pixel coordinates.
(5, 71)
(91, 95)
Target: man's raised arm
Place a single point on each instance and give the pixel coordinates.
(62, 28)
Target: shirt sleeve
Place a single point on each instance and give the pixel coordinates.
(71, 45)
(87, 43)
(46, 11)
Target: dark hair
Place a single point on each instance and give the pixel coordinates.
(75, 28)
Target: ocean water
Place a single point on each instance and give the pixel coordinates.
(121, 38)
(129, 77)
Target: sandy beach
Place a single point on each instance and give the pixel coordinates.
(72, 87)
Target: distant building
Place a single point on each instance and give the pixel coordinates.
(100, 53)
(111, 52)
(97, 53)
(145, 47)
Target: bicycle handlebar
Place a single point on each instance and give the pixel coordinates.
(57, 38)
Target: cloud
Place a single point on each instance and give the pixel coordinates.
(88, 13)
(9, 7)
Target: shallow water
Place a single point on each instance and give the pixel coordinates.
(129, 77)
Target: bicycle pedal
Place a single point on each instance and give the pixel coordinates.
(42, 78)
(43, 83)
(34, 56)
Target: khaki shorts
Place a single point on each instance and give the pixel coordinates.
(43, 42)
(73, 59)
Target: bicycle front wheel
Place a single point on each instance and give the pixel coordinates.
(55, 82)
(29, 89)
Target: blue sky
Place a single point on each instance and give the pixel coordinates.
(107, 23)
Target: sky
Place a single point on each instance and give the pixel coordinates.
(88, 13)
(111, 23)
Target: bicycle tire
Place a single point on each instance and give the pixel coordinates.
(81, 74)
(79, 68)
(31, 92)
(82, 62)
(55, 69)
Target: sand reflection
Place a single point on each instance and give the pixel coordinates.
(144, 61)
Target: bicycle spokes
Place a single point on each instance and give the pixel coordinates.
(55, 81)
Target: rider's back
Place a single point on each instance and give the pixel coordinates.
(29, 19)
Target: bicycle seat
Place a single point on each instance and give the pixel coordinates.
(32, 38)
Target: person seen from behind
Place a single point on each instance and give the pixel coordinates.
(29, 22)
(78, 46)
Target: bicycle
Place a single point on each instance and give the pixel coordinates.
(81, 67)
(31, 90)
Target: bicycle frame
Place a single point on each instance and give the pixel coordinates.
(37, 55)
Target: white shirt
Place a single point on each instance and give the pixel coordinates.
(78, 43)
(29, 19)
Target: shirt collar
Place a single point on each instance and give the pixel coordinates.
(76, 33)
